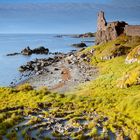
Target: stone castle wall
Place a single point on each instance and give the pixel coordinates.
(132, 30)
(107, 31)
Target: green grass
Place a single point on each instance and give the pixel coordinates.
(103, 95)
(23, 95)
(122, 105)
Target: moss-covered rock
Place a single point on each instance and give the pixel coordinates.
(133, 56)
(130, 78)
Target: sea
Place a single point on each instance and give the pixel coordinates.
(11, 43)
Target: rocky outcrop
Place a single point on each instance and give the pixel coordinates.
(40, 50)
(108, 31)
(38, 65)
(133, 56)
(114, 51)
(80, 45)
(130, 78)
(28, 51)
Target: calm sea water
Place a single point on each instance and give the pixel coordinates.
(10, 43)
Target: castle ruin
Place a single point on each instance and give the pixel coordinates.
(107, 31)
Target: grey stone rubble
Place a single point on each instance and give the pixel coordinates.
(61, 73)
(56, 127)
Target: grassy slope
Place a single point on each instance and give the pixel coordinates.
(121, 105)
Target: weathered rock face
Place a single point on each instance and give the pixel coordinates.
(108, 31)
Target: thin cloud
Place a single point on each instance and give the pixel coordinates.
(64, 17)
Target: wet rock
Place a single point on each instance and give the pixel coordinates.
(22, 68)
(83, 55)
(56, 53)
(87, 80)
(40, 50)
(80, 45)
(26, 51)
(38, 65)
(73, 51)
(12, 83)
(12, 54)
(56, 69)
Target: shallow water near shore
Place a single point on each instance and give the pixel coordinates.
(10, 43)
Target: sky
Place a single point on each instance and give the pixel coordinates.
(63, 16)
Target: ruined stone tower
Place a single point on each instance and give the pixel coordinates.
(108, 31)
(101, 21)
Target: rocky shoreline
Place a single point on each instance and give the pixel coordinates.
(61, 73)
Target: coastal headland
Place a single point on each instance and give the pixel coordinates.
(89, 94)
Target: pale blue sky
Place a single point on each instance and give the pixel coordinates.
(53, 1)
(63, 16)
